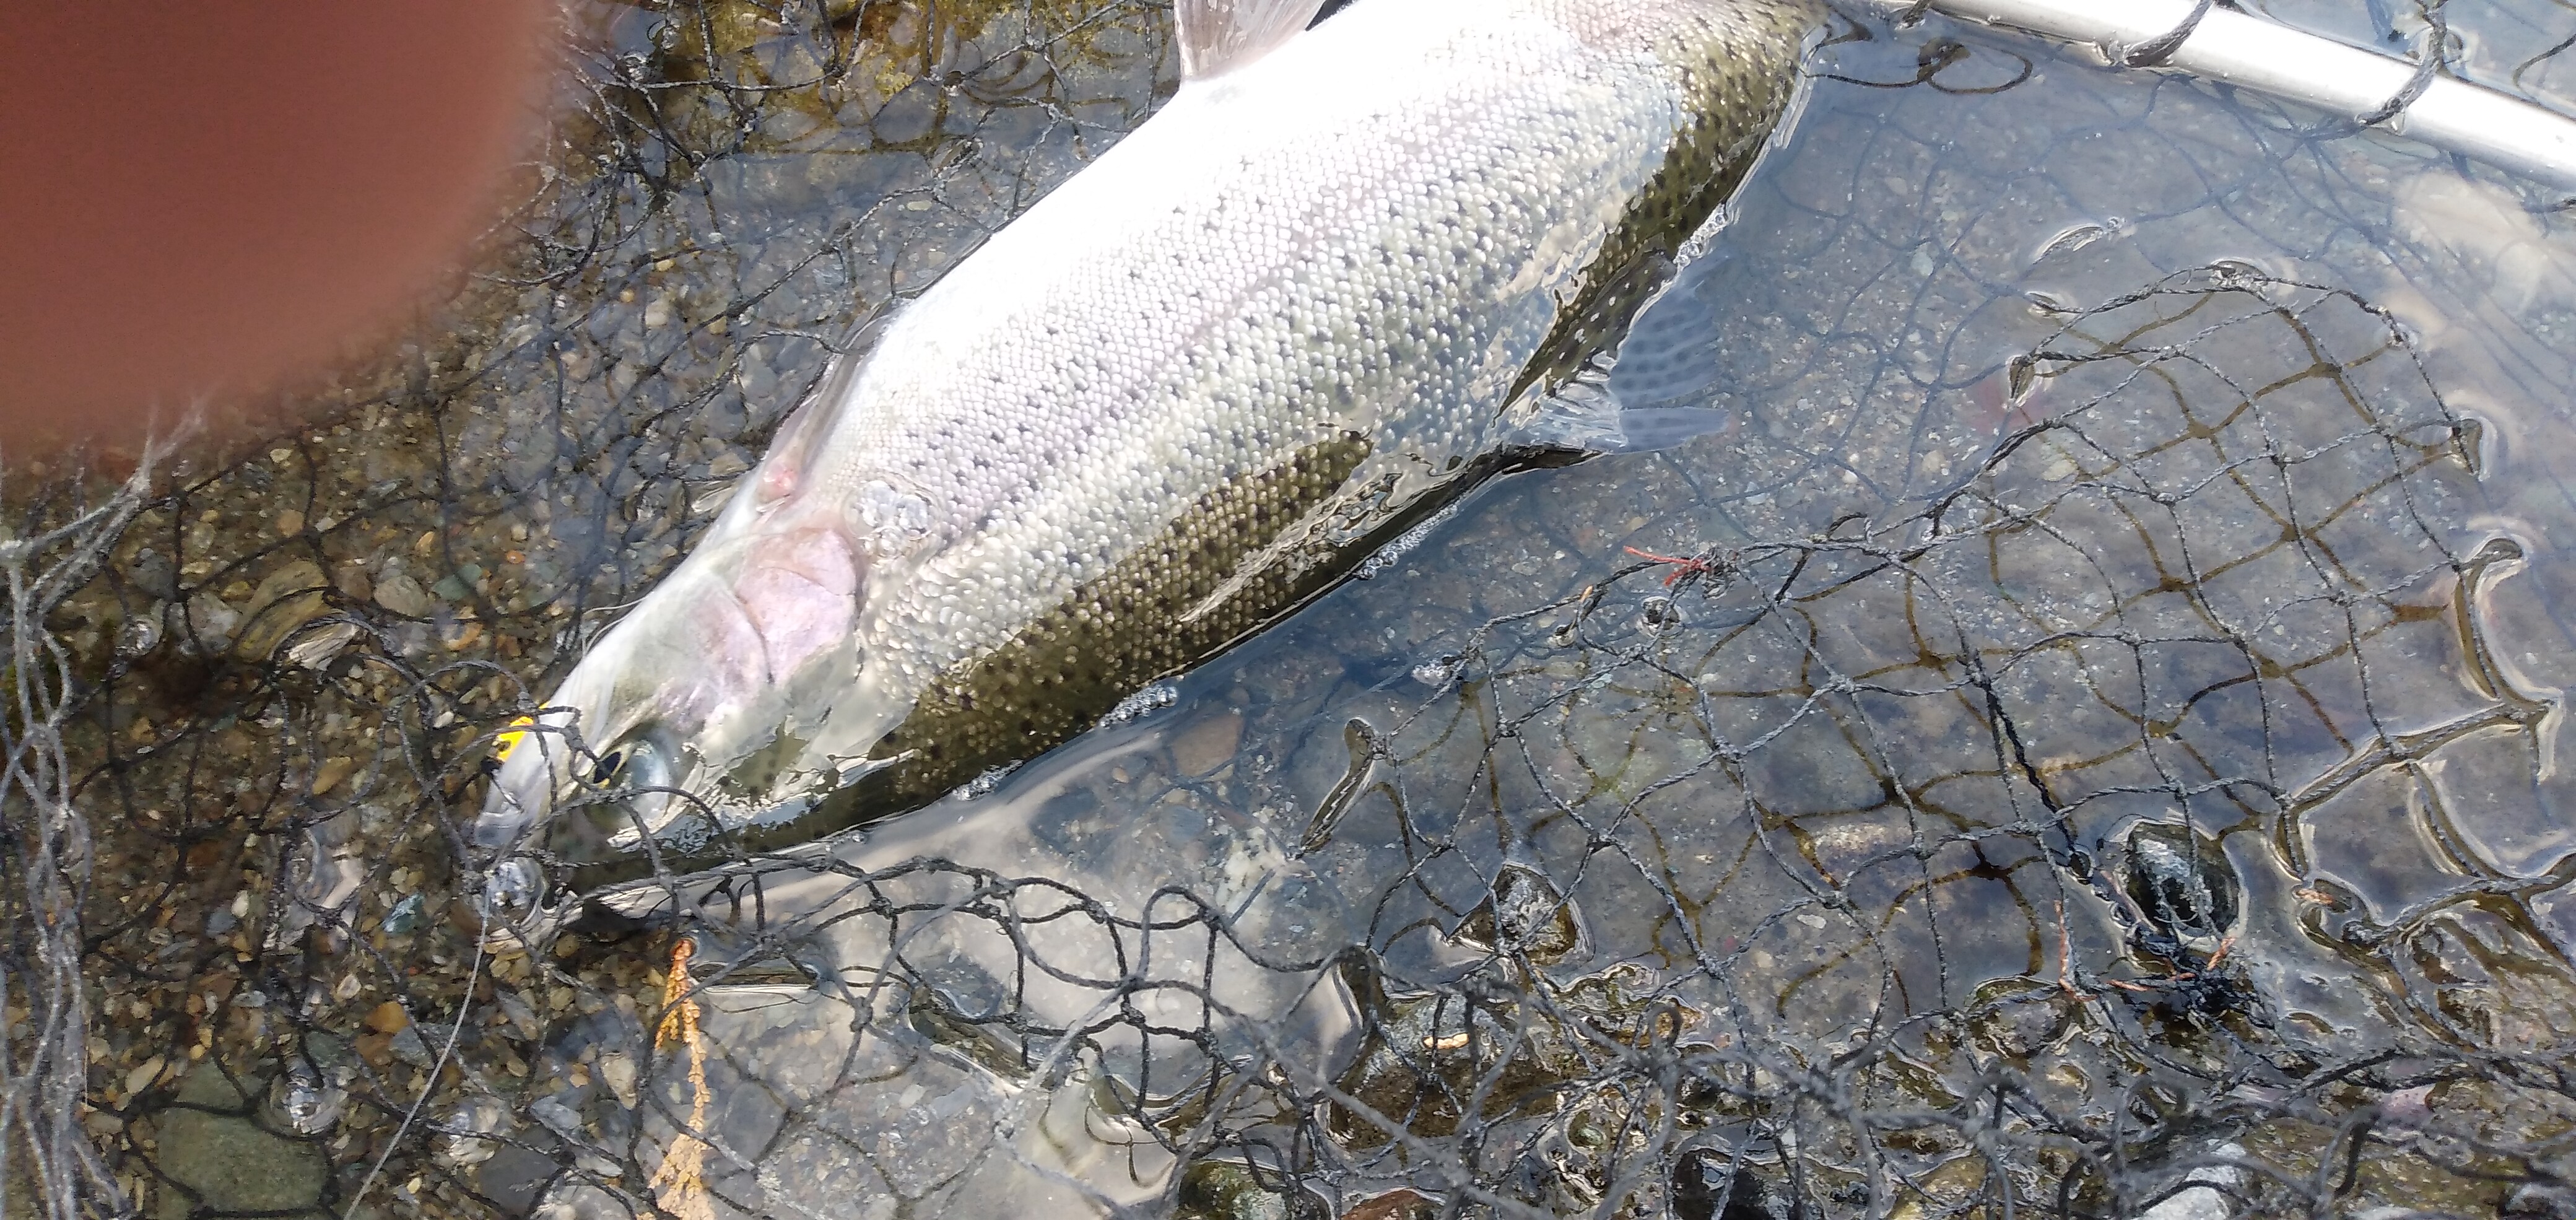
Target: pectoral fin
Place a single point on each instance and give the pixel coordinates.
(1589, 415)
(1218, 36)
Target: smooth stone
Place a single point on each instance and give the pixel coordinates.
(224, 1157)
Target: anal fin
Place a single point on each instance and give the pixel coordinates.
(1218, 36)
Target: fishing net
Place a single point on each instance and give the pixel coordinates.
(2081, 741)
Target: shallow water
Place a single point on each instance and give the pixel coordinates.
(2108, 711)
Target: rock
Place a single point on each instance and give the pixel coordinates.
(1227, 1190)
(331, 772)
(351, 579)
(468, 1131)
(314, 649)
(514, 1176)
(2208, 1193)
(407, 1045)
(1393, 1205)
(1707, 1185)
(1207, 745)
(211, 1146)
(143, 1075)
(405, 916)
(401, 594)
(140, 634)
(557, 1117)
(2542, 1201)
(287, 599)
(211, 622)
(617, 1068)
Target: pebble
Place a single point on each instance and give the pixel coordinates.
(333, 770)
(467, 1128)
(405, 916)
(351, 579)
(407, 1046)
(617, 1068)
(143, 1075)
(404, 596)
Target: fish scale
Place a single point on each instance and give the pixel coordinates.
(1317, 295)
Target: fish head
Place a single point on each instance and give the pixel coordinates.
(659, 732)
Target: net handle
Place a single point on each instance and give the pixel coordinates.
(2249, 52)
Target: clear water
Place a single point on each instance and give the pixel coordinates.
(2064, 706)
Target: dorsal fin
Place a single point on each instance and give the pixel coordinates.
(1218, 36)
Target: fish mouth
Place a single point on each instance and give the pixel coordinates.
(731, 649)
(528, 756)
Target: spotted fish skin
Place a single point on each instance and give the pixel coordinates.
(1190, 388)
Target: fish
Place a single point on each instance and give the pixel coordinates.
(1350, 270)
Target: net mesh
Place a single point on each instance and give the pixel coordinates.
(2082, 741)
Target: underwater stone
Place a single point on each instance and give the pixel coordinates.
(211, 1147)
(1207, 745)
(468, 1131)
(405, 916)
(1230, 1190)
(403, 595)
(1707, 1186)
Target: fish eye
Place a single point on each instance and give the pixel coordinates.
(604, 771)
(638, 762)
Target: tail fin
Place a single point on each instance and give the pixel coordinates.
(1218, 36)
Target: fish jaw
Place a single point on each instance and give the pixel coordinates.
(647, 736)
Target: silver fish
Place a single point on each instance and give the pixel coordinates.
(1342, 275)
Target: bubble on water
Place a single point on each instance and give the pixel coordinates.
(1659, 614)
(984, 784)
(1144, 702)
(1394, 552)
(512, 890)
(304, 1101)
